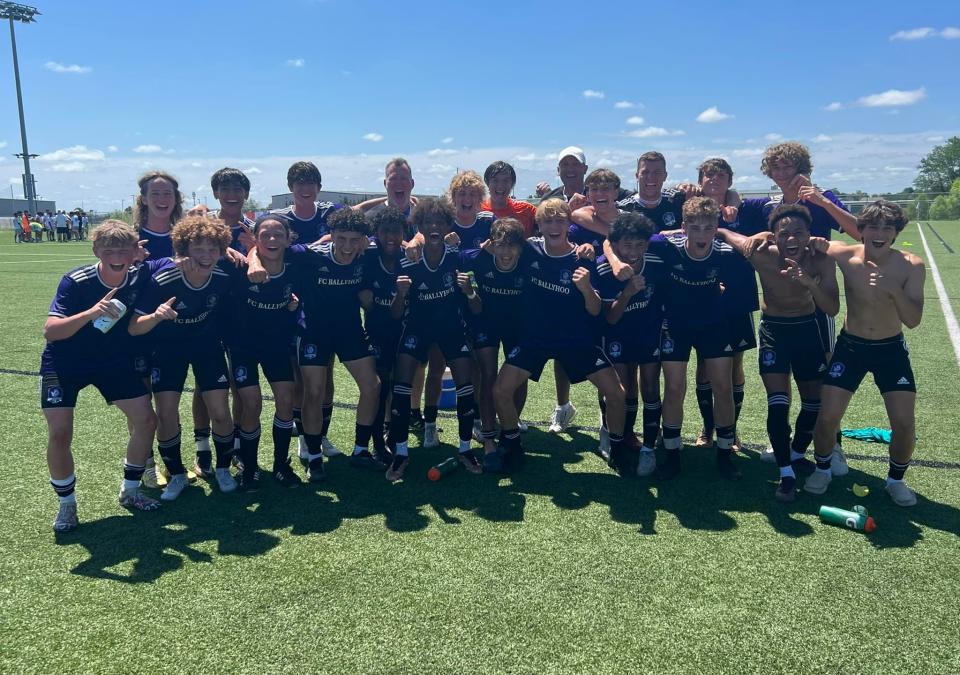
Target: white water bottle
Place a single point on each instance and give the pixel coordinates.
(105, 323)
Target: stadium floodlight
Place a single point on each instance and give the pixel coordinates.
(24, 14)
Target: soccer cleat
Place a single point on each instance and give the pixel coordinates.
(149, 478)
(470, 462)
(604, 448)
(787, 489)
(66, 519)
(901, 494)
(397, 467)
(838, 464)
(803, 466)
(647, 464)
(430, 436)
(134, 499)
(364, 460)
(522, 426)
(303, 453)
(175, 485)
(513, 460)
(620, 461)
(383, 455)
(283, 474)
(493, 463)
(225, 481)
(248, 482)
(670, 467)
(817, 483)
(329, 449)
(315, 470)
(206, 471)
(416, 423)
(563, 416)
(631, 441)
(727, 467)
(704, 441)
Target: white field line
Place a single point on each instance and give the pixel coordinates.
(953, 329)
(44, 260)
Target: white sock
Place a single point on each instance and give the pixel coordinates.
(69, 499)
(302, 451)
(357, 449)
(130, 485)
(203, 444)
(891, 481)
(787, 471)
(402, 449)
(464, 446)
(794, 455)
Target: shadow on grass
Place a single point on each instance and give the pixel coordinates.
(240, 524)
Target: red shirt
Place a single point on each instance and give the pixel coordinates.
(522, 211)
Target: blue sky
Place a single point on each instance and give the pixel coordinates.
(114, 88)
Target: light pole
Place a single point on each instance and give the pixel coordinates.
(25, 14)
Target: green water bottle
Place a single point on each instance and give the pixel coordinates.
(443, 468)
(854, 520)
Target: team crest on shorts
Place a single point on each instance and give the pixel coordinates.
(240, 374)
(410, 342)
(768, 357)
(513, 352)
(481, 337)
(615, 349)
(140, 364)
(310, 351)
(154, 375)
(667, 346)
(54, 395)
(836, 369)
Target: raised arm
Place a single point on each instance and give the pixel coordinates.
(616, 309)
(63, 327)
(581, 279)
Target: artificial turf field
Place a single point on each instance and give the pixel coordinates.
(562, 568)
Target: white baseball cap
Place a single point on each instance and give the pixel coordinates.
(575, 152)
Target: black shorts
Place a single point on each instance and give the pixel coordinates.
(742, 332)
(317, 346)
(888, 360)
(487, 336)
(142, 364)
(385, 338)
(578, 362)
(169, 371)
(416, 340)
(828, 327)
(277, 366)
(639, 348)
(795, 343)
(114, 384)
(711, 342)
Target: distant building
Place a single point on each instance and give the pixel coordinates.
(10, 206)
(344, 197)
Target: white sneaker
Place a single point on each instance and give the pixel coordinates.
(522, 426)
(302, 451)
(604, 443)
(768, 456)
(901, 494)
(838, 465)
(225, 480)
(647, 463)
(66, 519)
(149, 478)
(175, 485)
(430, 437)
(563, 415)
(817, 482)
(329, 449)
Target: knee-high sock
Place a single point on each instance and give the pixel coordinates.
(778, 426)
(282, 432)
(806, 421)
(466, 412)
(705, 403)
(400, 416)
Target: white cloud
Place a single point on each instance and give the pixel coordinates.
(635, 120)
(593, 93)
(295, 63)
(73, 153)
(373, 136)
(447, 140)
(833, 107)
(913, 34)
(748, 152)
(528, 157)
(3, 144)
(893, 97)
(773, 138)
(950, 33)
(252, 171)
(436, 152)
(73, 69)
(822, 138)
(711, 115)
(652, 132)
(626, 105)
(112, 148)
(68, 167)
(148, 148)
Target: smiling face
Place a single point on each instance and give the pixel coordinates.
(389, 237)
(555, 230)
(715, 186)
(399, 184)
(204, 252)
(700, 233)
(792, 238)
(878, 237)
(651, 174)
(434, 230)
(305, 194)
(161, 199)
(115, 259)
(467, 203)
(272, 240)
(571, 172)
(231, 197)
(506, 255)
(347, 244)
(782, 172)
(603, 196)
(631, 249)
(500, 187)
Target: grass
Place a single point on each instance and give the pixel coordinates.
(562, 568)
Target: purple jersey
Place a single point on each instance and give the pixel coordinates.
(754, 213)
(434, 299)
(667, 214)
(554, 310)
(89, 349)
(476, 234)
(382, 283)
(330, 288)
(159, 244)
(693, 295)
(260, 317)
(236, 231)
(500, 292)
(311, 229)
(644, 313)
(196, 306)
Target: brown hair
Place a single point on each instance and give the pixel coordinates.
(651, 156)
(602, 178)
(791, 152)
(508, 231)
(467, 180)
(195, 228)
(112, 233)
(552, 208)
(714, 165)
(431, 209)
(700, 208)
(140, 210)
(882, 212)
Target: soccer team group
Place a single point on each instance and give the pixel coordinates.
(616, 288)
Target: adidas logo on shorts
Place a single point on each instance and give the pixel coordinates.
(600, 362)
(222, 379)
(903, 380)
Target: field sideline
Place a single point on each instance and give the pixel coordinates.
(563, 567)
